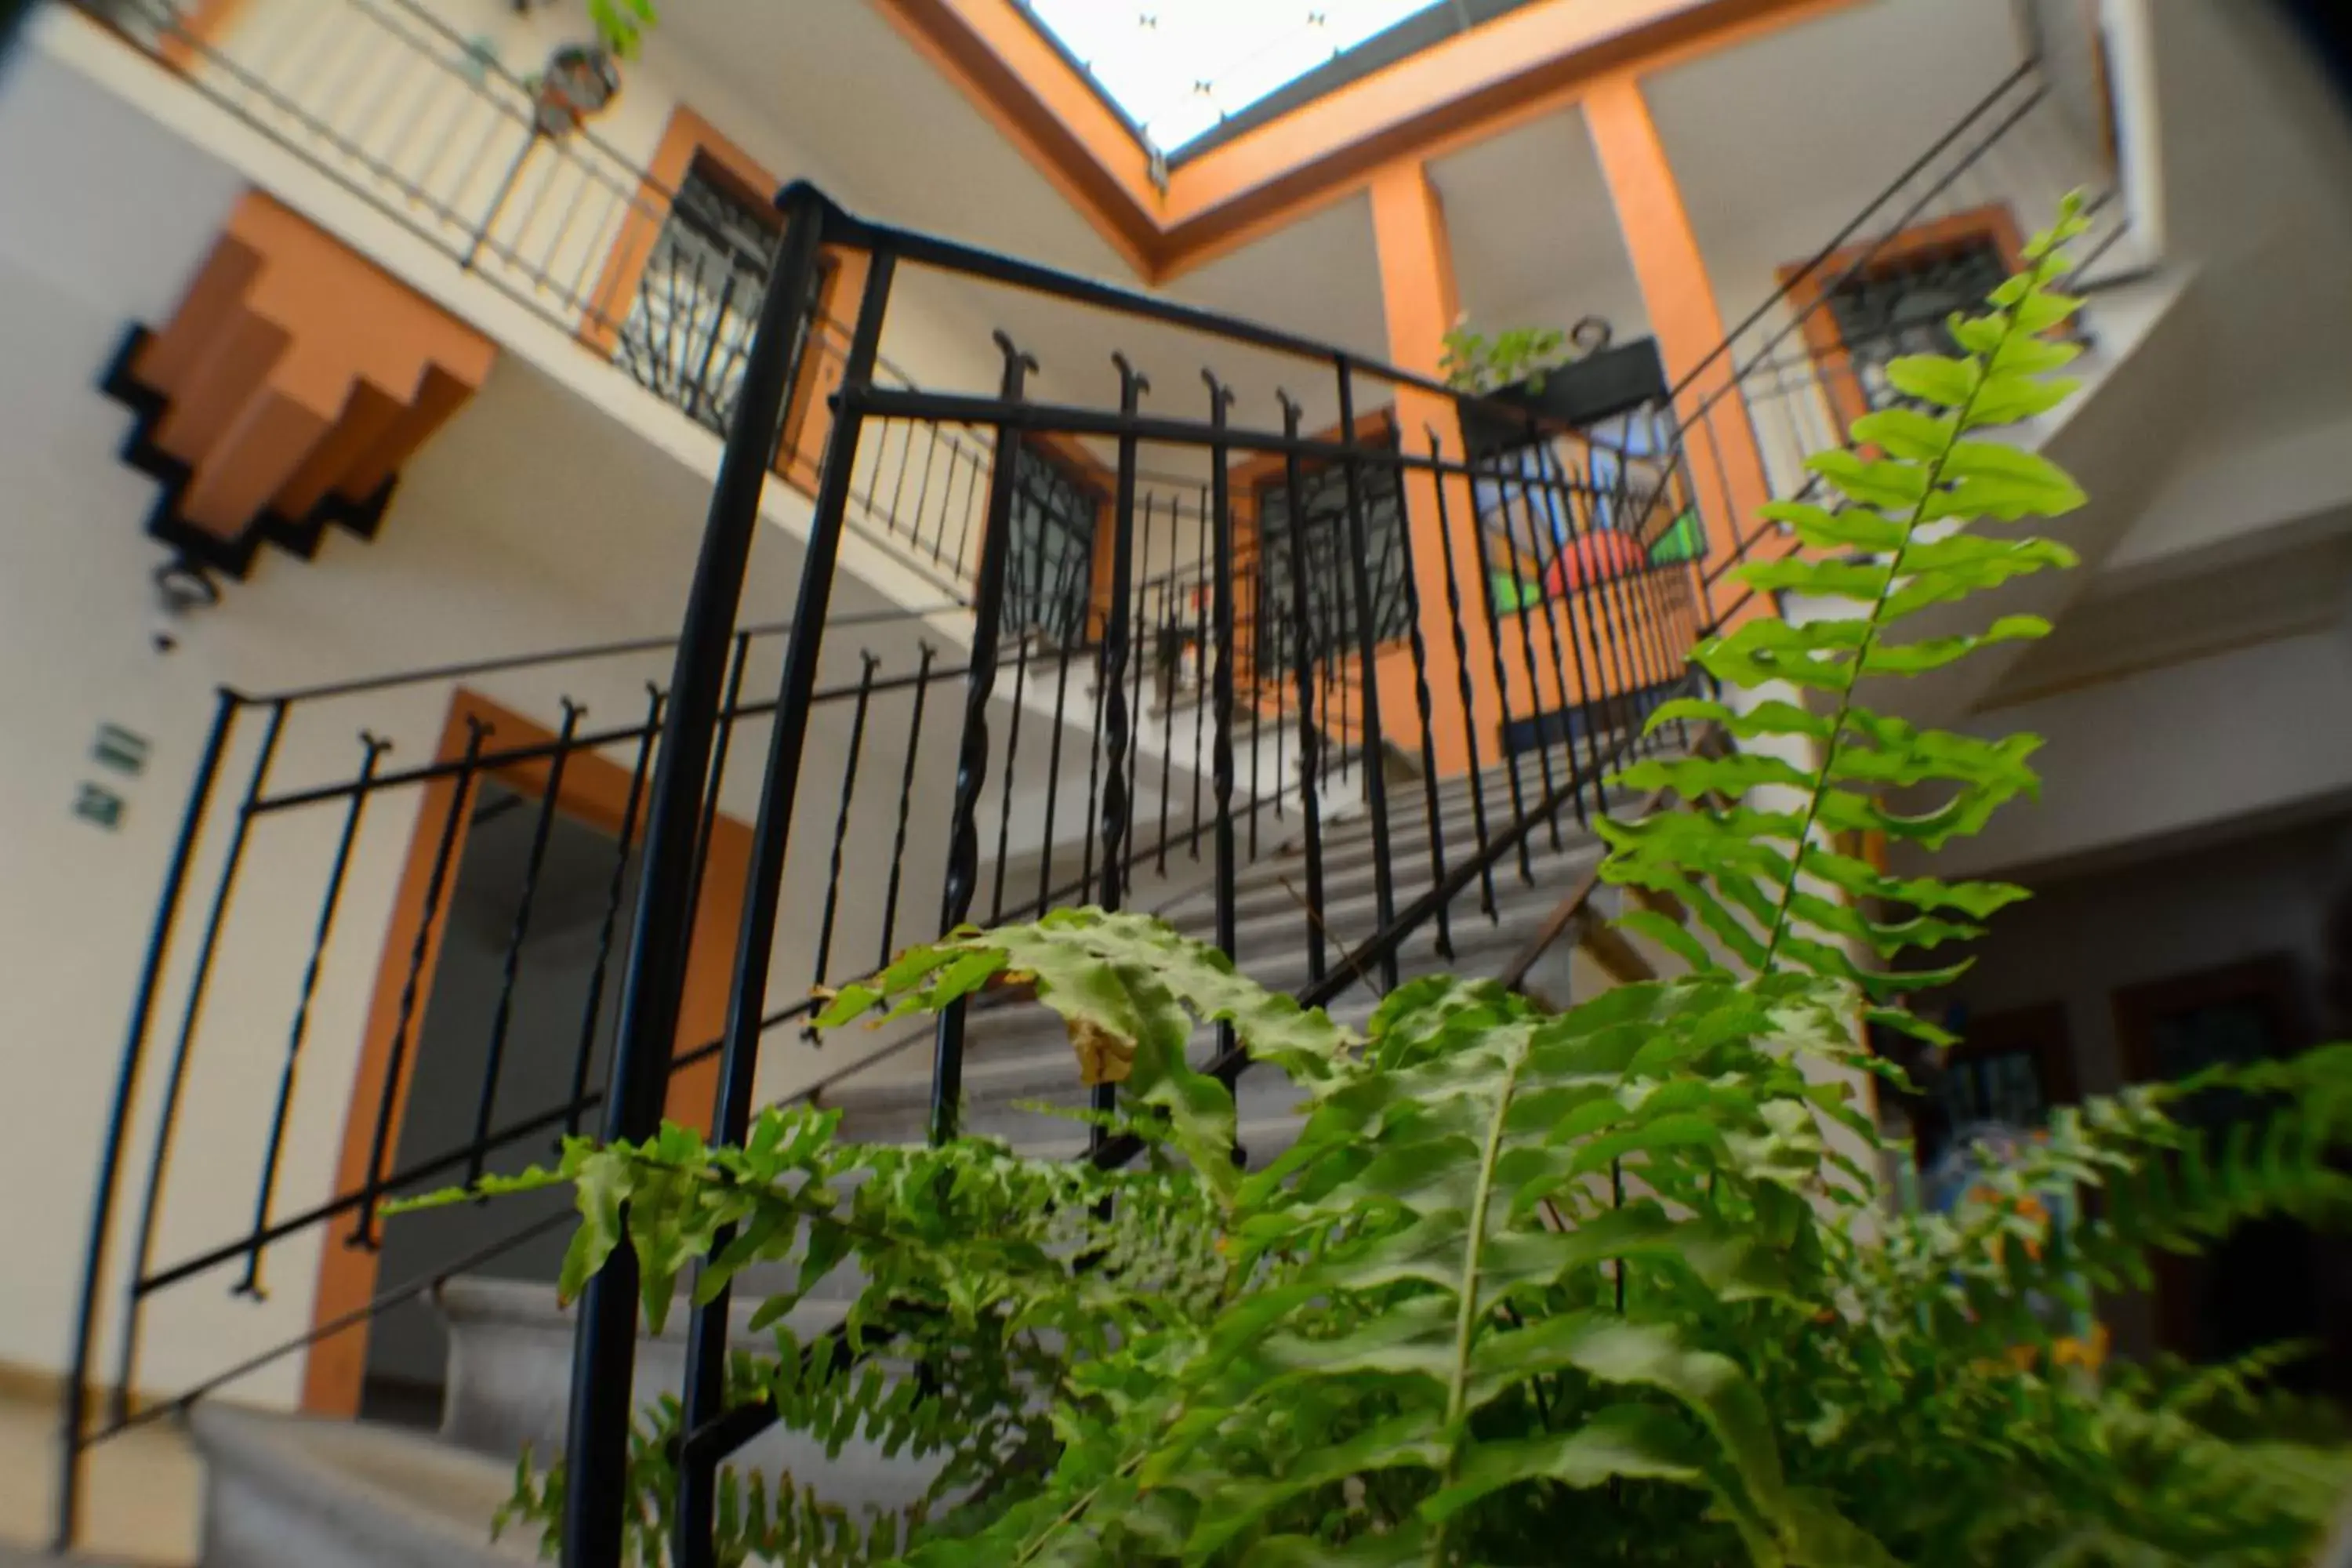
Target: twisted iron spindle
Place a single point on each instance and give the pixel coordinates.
(926, 654)
(971, 762)
(1462, 676)
(841, 822)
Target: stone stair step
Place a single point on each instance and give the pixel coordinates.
(510, 1376)
(289, 1491)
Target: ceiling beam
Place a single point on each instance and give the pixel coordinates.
(1533, 61)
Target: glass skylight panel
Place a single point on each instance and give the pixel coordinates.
(1176, 68)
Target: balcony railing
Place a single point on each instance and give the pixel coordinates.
(663, 280)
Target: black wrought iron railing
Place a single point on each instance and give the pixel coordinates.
(1106, 712)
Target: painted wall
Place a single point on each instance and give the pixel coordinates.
(2171, 750)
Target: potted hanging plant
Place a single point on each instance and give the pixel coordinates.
(1574, 377)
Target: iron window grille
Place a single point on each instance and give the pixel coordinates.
(1901, 308)
(1050, 568)
(687, 334)
(1321, 542)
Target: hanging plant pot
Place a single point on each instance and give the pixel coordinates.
(579, 82)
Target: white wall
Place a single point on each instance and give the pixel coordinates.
(2166, 751)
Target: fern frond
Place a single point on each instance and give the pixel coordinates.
(1910, 491)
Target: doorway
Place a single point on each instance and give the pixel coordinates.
(560, 1018)
(435, 1091)
(2261, 1284)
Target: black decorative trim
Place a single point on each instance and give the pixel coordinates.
(201, 546)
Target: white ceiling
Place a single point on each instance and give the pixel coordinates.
(903, 143)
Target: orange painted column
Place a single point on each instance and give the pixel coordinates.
(1726, 467)
(1422, 303)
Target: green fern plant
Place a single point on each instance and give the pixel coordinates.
(1618, 1285)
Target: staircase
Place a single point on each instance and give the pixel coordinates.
(1483, 871)
(296, 1492)
(1017, 1056)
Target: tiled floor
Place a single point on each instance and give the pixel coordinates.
(145, 1496)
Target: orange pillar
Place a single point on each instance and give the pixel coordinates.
(1726, 467)
(1422, 303)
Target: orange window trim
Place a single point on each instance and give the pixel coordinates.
(1809, 288)
(1071, 456)
(690, 137)
(687, 136)
(1531, 62)
(595, 791)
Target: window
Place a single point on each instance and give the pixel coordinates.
(1883, 313)
(1049, 567)
(1320, 544)
(689, 326)
(1862, 307)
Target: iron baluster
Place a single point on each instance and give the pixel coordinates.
(585, 1052)
(1302, 670)
(1221, 593)
(176, 1076)
(1606, 603)
(1139, 628)
(1093, 785)
(1531, 664)
(444, 854)
(923, 493)
(371, 748)
(1117, 738)
(957, 456)
(1368, 711)
(926, 653)
(1428, 752)
(693, 1544)
(841, 822)
(1637, 595)
(1542, 532)
(1167, 655)
(1012, 729)
(1202, 611)
(605, 1343)
(494, 1060)
(1256, 709)
(971, 764)
(1608, 665)
(1488, 596)
(1462, 676)
(698, 392)
(1618, 605)
(1587, 681)
(74, 1406)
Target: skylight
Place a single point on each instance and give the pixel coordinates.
(1176, 68)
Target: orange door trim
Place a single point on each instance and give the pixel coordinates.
(595, 791)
